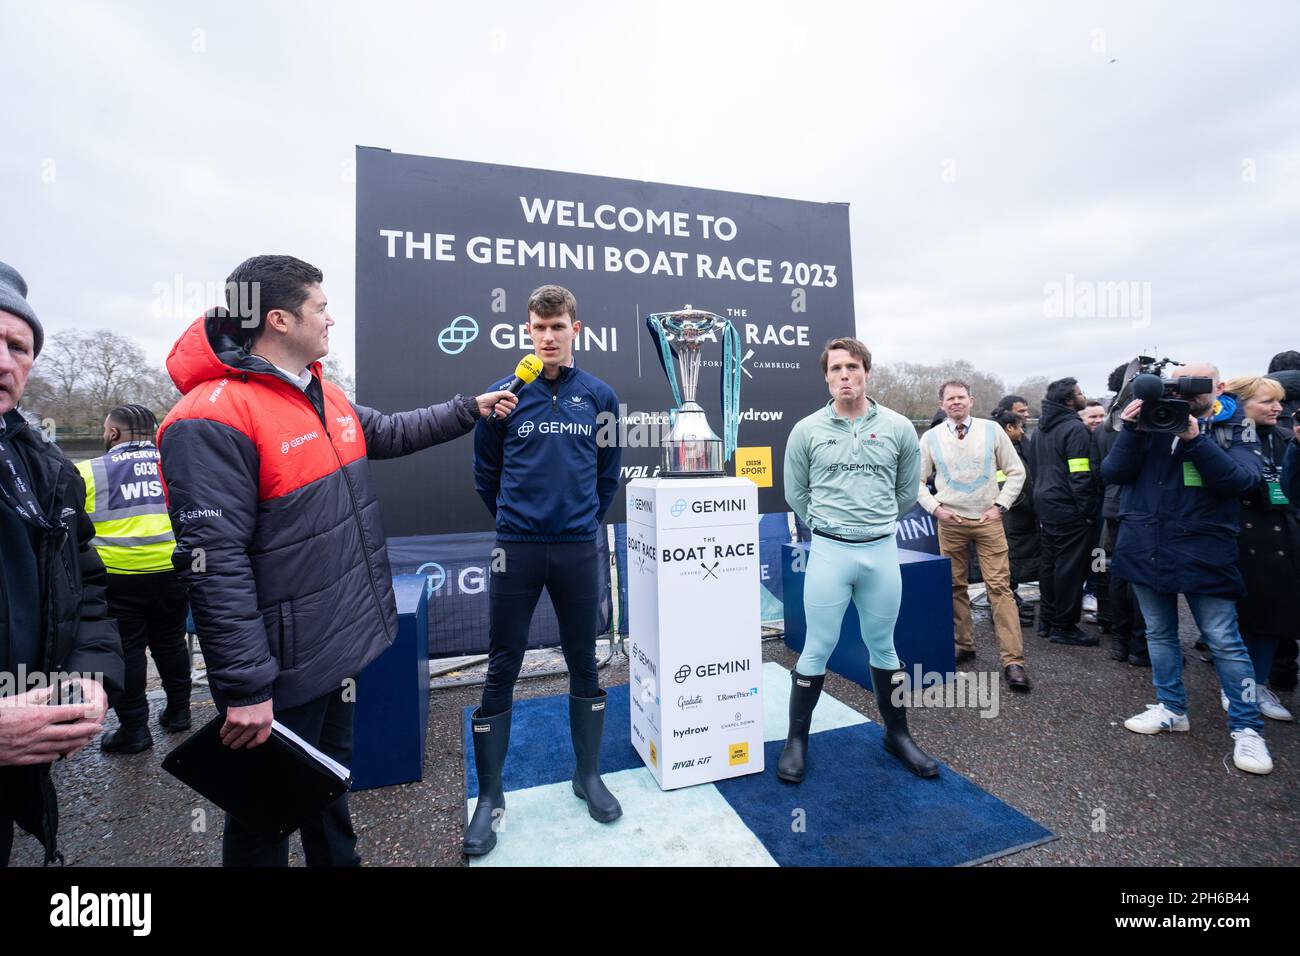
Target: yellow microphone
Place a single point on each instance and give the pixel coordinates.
(529, 367)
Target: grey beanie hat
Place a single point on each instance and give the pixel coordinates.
(13, 298)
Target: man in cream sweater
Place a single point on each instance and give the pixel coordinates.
(966, 456)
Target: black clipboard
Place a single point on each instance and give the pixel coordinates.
(271, 788)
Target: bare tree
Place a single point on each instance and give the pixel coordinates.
(336, 373)
(912, 389)
(81, 375)
(1033, 390)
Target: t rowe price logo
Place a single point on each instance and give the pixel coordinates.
(712, 669)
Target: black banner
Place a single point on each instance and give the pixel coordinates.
(447, 252)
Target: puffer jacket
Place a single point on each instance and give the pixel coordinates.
(1066, 486)
(78, 635)
(278, 533)
(1179, 508)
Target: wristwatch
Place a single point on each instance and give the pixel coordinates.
(1000, 507)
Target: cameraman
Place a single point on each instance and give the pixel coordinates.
(1177, 535)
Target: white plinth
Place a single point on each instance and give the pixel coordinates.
(694, 632)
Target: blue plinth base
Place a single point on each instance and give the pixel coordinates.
(392, 712)
(923, 634)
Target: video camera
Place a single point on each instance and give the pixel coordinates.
(1164, 401)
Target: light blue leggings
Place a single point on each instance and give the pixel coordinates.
(869, 575)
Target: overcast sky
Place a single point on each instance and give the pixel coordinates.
(987, 151)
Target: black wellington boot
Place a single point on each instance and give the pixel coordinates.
(586, 727)
(897, 740)
(804, 692)
(491, 740)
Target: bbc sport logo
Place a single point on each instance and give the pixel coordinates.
(456, 337)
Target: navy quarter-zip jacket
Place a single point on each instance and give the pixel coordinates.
(542, 472)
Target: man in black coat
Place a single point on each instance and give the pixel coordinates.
(55, 633)
(1067, 498)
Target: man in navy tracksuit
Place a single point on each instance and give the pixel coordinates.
(548, 481)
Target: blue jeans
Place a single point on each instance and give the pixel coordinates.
(1216, 618)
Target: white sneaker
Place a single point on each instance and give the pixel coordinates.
(1090, 602)
(1157, 718)
(1271, 707)
(1223, 700)
(1250, 753)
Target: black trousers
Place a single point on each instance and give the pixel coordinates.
(327, 838)
(150, 613)
(6, 833)
(570, 573)
(1065, 556)
(1126, 621)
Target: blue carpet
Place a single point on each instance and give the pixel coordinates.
(857, 807)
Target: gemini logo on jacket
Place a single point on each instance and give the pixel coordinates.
(278, 534)
(543, 472)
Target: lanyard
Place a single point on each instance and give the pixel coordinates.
(16, 489)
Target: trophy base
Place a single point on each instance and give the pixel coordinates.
(693, 458)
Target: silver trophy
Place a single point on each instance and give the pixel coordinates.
(691, 450)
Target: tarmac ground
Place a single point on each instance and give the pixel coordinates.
(1059, 754)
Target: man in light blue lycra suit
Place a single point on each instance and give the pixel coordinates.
(851, 470)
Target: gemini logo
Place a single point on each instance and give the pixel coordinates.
(435, 576)
(456, 337)
(678, 507)
(525, 430)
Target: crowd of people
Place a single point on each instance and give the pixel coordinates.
(251, 506)
(1133, 518)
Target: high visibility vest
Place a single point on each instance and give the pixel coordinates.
(124, 499)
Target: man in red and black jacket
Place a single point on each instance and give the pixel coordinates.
(278, 536)
(1067, 498)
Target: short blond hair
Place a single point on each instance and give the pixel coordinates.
(1244, 387)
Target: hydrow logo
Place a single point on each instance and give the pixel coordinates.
(456, 337)
(295, 442)
(712, 669)
(690, 731)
